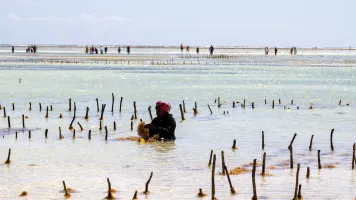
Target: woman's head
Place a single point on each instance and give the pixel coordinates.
(162, 108)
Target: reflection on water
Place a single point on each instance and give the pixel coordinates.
(180, 168)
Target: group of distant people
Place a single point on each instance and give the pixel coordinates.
(293, 50)
(211, 49)
(94, 50)
(30, 49)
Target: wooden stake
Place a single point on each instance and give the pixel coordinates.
(102, 111)
(86, 115)
(311, 142)
(4, 112)
(147, 183)
(291, 142)
(100, 125)
(296, 183)
(51, 108)
(211, 112)
(150, 112)
(71, 124)
(219, 105)
(8, 161)
(331, 140)
(353, 156)
(195, 108)
(181, 112)
(265, 101)
(291, 102)
(70, 104)
(279, 100)
(291, 157)
(121, 103)
(211, 156)
(65, 190)
(23, 121)
(233, 104)
(46, 133)
(254, 180)
(75, 110)
(16, 135)
(30, 106)
(81, 127)
(263, 140)
(234, 145)
(222, 163)
(8, 121)
(89, 135)
(135, 111)
(40, 107)
(273, 104)
(97, 104)
(184, 107)
(300, 192)
(106, 133)
(112, 104)
(29, 134)
(13, 106)
(308, 172)
(135, 196)
(319, 164)
(131, 125)
(264, 164)
(46, 113)
(253, 105)
(110, 196)
(60, 133)
(244, 103)
(340, 103)
(213, 179)
(114, 126)
(232, 189)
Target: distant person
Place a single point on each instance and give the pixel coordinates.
(181, 48)
(101, 50)
(266, 50)
(13, 49)
(295, 50)
(128, 49)
(34, 49)
(106, 50)
(86, 49)
(198, 50)
(188, 49)
(291, 51)
(211, 50)
(275, 50)
(96, 50)
(92, 50)
(119, 50)
(31, 49)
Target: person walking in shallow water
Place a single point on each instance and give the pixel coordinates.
(128, 49)
(181, 47)
(266, 51)
(211, 50)
(275, 50)
(13, 49)
(188, 49)
(119, 50)
(198, 50)
(106, 50)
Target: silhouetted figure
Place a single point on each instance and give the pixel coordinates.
(13, 49)
(119, 50)
(34, 49)
(106, 50)
(31, 49)
(96, 50)
(291, 51)
(86, 50)
(275, 51)
(128, 50)
(198, 50)
(211, 50)
(188, 49)
(181, 48)
(266, 50)
(295, 50)
(92, 50)
(101, 50)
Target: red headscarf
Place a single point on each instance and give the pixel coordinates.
(163, 106)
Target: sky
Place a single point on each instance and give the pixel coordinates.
(301, 23)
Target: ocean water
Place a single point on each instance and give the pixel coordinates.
(311, 78)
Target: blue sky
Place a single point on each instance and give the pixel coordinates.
(307, 23)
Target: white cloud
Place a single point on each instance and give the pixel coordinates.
(12, 16)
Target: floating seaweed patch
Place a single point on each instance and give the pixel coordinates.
(142, 131)
(238, 171)
(271, 167)
(23, 194)
(267, 174)
(329, 166)
(130, 138)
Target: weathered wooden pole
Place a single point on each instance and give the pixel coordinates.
(331, 140)
(195, 108)
(244, 104)
(67, 194)
(97, 104)
(254, 180)
(291, 102)
(263, 140)
(181, 112)
(60, 133)
(219, 105)
(264, 164)
(234, 145)
(233, 104)
(147, 183)
(279, 100)
(71, 124)
(13, 106)
(319, 164)
(8, 121)
(102, 111)
(16, 135)
(135, 196)
(110, 195)
(81, 127)
(46, 133)
(273, 104)
(184, 110)
(291, 157)
(86, 114)
(340, 103)
(222, 163)
(353, 156)
(150, 112)
(291, 142)
(135, 111)
(311, 143)
(265, 101)
(112, 104)
(232, 189)
(100, 125)
(211, 157)
(300, 192)
(308, 172)
(46, 113)
(213, 179)
(4, 112)
(40, 107)
(23, 121)
(121, 103)
(114, 126)
(296, 183)
(51, 108)
(30, 108)
(253, 105)
(29, 134)
(106, 133)
(70, 104)
(8, 161)
(211, 112)
(75, 110)
(89, 135)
